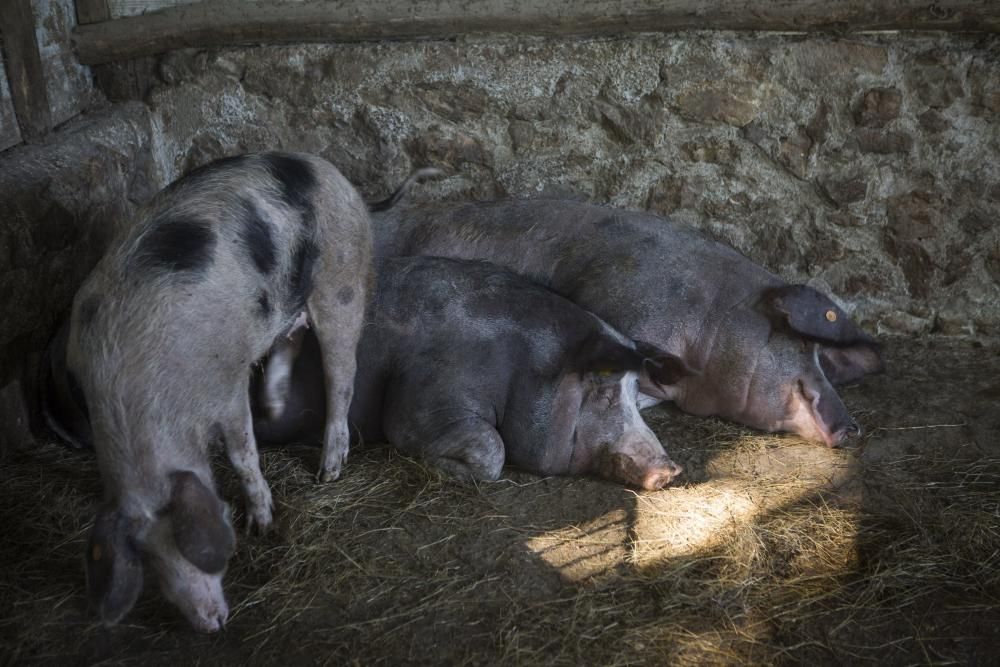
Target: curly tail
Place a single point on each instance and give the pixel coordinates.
(415, 176)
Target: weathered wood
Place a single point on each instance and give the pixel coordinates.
(120, 8)
(217, 23)
(92, 11)
(24, 68)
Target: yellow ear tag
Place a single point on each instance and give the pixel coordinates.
(95, 553)
(605, 372)
(831, 316)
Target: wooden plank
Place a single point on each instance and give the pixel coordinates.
(216, 23)
(68, 83)
(92, 11)
(24, 68)
(121, 8)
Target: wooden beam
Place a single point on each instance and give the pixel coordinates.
(217, 23)
(92, 11)
(24, 68)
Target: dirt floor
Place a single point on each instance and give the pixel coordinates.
(769, 551)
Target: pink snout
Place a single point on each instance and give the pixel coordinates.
(660, 475)
(211, 620)
(644, 471)
(847, 432)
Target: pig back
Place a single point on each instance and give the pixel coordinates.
(648, 277)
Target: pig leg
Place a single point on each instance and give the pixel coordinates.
(278, 371)
(470, 449)
(337, 321)
(241, 448)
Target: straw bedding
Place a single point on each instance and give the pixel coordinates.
(770, 550)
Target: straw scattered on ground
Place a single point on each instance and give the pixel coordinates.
(771, 551)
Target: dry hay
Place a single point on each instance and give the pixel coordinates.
(773, 551)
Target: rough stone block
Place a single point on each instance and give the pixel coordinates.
(62, 201)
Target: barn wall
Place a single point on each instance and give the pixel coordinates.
(68, 83)
(62, 201)
(868, 166)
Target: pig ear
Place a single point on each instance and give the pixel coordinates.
(114, 566)
(843, 365)
(604, 355)
(662, 367)
(201, 524)
(809, 313)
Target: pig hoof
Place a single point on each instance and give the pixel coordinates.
(261, 515)
(331, 475)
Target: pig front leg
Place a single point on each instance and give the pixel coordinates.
(470, 449)
(241, 448)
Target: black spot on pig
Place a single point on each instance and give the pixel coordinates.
(264, 304)
(177, 244)
(303, 261)
(255, 234)
(346, 294)
(296, 182)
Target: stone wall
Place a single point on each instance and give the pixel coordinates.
(868, 165)
(62, 201)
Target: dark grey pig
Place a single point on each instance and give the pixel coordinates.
(768, 353)
(162, 336)
(471, 366)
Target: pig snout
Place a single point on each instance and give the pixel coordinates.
(639, 460)
(211, 620)
(205, 609)
(660, 475)
(850, 431)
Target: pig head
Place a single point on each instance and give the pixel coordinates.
(177, 523)
(769, 353)
(778, 368)
(188, 539)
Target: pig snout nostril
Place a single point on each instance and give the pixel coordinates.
(848, 432)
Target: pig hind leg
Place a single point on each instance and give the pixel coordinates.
(337, 320)
(241, 448)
